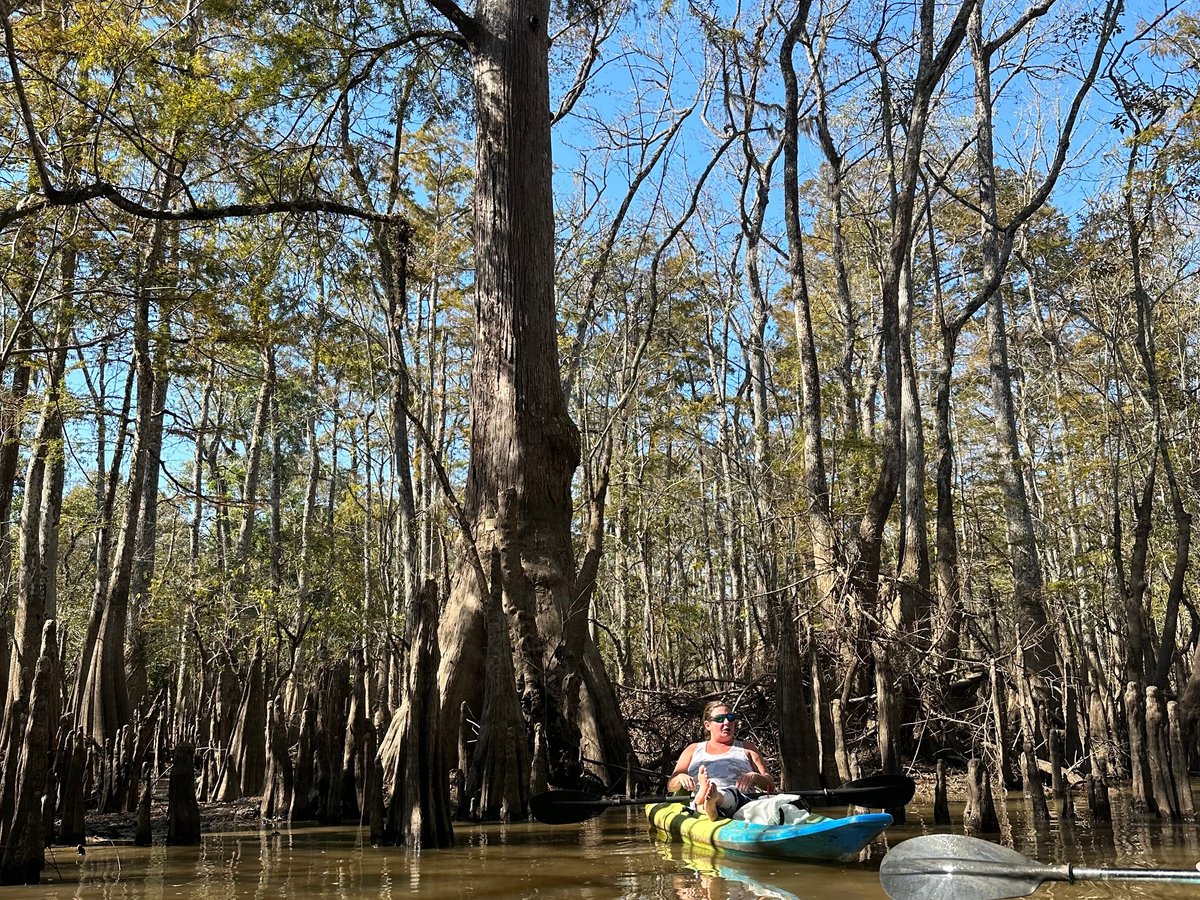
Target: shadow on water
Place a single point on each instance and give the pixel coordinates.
(609, 857)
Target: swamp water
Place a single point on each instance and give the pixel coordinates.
(609, 857)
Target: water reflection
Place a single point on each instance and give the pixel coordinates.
(612, 856)
(710, 876)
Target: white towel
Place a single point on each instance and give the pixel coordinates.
(773, 809)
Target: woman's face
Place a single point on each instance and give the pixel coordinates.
(721, 725)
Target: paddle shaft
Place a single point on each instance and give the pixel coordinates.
(1068, 873)
(1086, 873)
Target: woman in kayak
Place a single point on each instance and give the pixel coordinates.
(723, 772)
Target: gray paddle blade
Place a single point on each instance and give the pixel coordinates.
(955, 867)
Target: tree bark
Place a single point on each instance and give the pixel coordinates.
(416, 786)
(183, 812)
(1026, 563)
(522, 438)
(494, 794)
(23, 834)
(103, 707)
(142, 574)
(37, 594)
(245, 767)
(258, 433)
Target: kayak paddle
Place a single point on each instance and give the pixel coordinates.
(876, 791)
(956, 867)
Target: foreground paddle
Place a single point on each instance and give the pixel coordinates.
(568, 807)
(955, 867)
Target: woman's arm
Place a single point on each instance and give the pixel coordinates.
(680, 780)
(758, 779)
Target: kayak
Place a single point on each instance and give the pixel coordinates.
(816, 838)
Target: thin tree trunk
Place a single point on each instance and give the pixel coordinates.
(142, 573)
(104, 702)
(258, 433)
(37, 555)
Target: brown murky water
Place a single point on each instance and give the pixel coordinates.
(610, 857)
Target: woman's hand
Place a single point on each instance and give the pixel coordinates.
(753, 781)
(684, 782)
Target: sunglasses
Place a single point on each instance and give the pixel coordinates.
(724, 717)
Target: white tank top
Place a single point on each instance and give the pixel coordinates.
(723, 768)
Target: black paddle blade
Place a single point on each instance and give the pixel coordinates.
(956, 867)
(874, 791)
(566, 807)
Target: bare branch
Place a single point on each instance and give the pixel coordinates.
(1034, 12)
(468, 26)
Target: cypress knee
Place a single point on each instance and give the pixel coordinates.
(24, 853)
(333, 692)
(72, 793)
(941, 804)
(1098, 801)
(142, 836)
(373, 785)
(416, 786)
(183, 812)
(246, 763)
(1156, 755)
(989, 824)
(980, 812)
(1140, 791)
(304, 801)
(1179, 769)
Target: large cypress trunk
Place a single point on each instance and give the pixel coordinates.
(522, 438)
